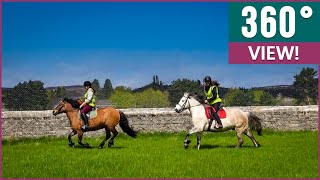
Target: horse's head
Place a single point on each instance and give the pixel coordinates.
(183, 103)
(63, 107)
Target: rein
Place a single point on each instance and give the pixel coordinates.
(184, 104)
(72, 110)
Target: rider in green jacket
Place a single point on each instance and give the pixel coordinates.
(212, 98)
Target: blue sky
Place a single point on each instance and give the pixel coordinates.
(69, 43)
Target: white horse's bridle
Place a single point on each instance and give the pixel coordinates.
(183, 107)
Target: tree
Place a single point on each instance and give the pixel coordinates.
(27, 96)
(266, 99)
(96, 86)
(180, 86)
(261, 98)
(122, 97)
(151, 98)
(306, 84)
(238, 97)
(107, 89)
(55, 95)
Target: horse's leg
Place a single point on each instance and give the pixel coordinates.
(198, 140)
(85, 145)
(72, 133)
(114, 135)
(239, 135)
(186, 141)
(248, 133)
(193, 130)
(108, 135)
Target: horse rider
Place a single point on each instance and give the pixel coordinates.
(212, 98)
(88, 104)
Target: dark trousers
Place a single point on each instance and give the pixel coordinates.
(214, 113)
(83, 112)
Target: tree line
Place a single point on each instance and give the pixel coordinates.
(32, 95)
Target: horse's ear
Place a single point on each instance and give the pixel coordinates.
(65, 99)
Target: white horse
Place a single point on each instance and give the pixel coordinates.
(236, 119)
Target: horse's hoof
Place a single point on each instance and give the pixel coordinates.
(86, 145)
(185, 146)
(258, 145)
(100, 147)
(71, 145)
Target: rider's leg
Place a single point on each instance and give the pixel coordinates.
(84, 116)
(216, 106)
(211, 118)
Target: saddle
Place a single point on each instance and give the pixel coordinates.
(221, 112)
(91, 114)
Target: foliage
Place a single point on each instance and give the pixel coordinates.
(26, 96)
(96, 86)
(107, 89)
(124, 98)
(55, 95)
(152, 98)
(180, 86)
(241, 97)
(306, 84)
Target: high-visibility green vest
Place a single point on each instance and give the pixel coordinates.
(93, 100)
(209, 95)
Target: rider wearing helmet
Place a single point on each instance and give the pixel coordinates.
(212, 98)
(88, 104)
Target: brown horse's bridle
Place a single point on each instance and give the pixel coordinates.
(62, 105)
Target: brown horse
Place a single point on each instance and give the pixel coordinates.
(106, 118)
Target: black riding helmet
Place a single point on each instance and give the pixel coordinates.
(207, 79)
(87, 83)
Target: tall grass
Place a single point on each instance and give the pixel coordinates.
(161, 155)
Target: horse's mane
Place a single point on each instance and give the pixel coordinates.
(199, 98)
(73, 102)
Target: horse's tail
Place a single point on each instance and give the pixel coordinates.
(124, 124)
(255, 123)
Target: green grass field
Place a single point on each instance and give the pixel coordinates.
(161, 155)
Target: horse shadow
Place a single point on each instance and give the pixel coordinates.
(96, 147)
(209, 146)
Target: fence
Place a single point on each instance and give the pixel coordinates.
(16, 124)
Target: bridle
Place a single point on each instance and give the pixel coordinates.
(183, 106)
(62, 105)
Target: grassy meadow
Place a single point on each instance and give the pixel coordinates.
(162, 155)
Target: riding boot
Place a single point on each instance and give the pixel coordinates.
(211, 119)
(219, 123)
(210, 123)
(85, 118)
